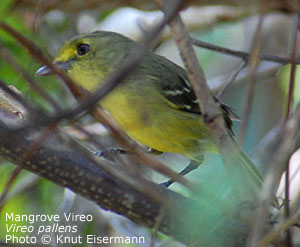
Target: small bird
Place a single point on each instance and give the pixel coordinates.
(155, 105)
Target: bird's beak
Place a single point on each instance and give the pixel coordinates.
(46, 70)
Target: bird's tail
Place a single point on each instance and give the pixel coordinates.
(254, 175)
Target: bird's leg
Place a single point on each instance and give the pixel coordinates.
(190, 167)
(154, 151)
(108, 152)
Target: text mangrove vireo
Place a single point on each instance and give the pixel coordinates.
(155, 105)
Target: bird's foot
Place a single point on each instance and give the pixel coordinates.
(109, 153)
(167, 184)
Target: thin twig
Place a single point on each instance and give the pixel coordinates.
(253, 64)
(37, 15)
(38, 54)
(16, 172)
(39, 90)
(146, 159)
(25, 103)
(137, 183)
(288, 111)
(231, 80)
(111, 81)
(293, 220)
(213, 117)
(7, 56)
(157, 225)
(241, 54)
(24, 158)
(74, 169)
(24, 186)
(276, 155)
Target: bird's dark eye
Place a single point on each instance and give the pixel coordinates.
(83, 49)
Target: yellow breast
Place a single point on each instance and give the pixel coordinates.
(155, 124)
(145, 116)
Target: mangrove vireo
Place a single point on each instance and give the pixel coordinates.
(155, 105)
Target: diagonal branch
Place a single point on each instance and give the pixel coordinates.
(213, 116)
(67, 164)
(276, 155)
(110, 83)
(241, 54)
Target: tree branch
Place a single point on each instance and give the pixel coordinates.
(68, 5)
(276, 155)
(213, 117)
(110, 83)
(66, 163)
(241, 54)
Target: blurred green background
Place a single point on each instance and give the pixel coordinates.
(48, 30)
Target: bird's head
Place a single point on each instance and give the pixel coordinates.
(88, 58)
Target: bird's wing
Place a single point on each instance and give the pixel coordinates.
(181, 96)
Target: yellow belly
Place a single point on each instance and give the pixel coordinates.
(146, 117)
(155, 124)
